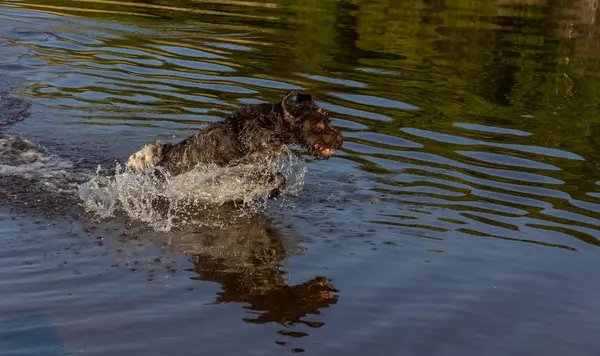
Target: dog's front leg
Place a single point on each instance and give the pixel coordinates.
(280, 180)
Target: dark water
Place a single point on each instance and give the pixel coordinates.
(460, 218)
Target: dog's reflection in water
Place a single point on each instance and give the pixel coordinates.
(246, 258)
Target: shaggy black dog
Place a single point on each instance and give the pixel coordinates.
(254, 134)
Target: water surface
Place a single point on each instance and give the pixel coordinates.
(461, 216)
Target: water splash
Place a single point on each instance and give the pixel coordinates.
(36, 180)
(21, 157)
(208, 195)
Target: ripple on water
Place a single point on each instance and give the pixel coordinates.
(507, 160)
(446, 138)
(355, 113)
(376, 101)
(492, 129)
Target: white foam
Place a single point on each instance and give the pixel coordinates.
(190, 198)
(20, 157)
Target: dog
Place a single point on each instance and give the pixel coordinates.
(254, 134)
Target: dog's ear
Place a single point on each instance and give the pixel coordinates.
(303, 98)
(285, 104)
(288, 100)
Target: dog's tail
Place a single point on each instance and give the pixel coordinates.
(147, 157)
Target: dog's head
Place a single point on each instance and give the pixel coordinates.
(311, 125)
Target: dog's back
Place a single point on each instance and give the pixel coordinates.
(254, 132)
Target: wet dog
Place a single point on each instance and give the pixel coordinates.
(253, 134)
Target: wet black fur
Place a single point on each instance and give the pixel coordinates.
(254, 133)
